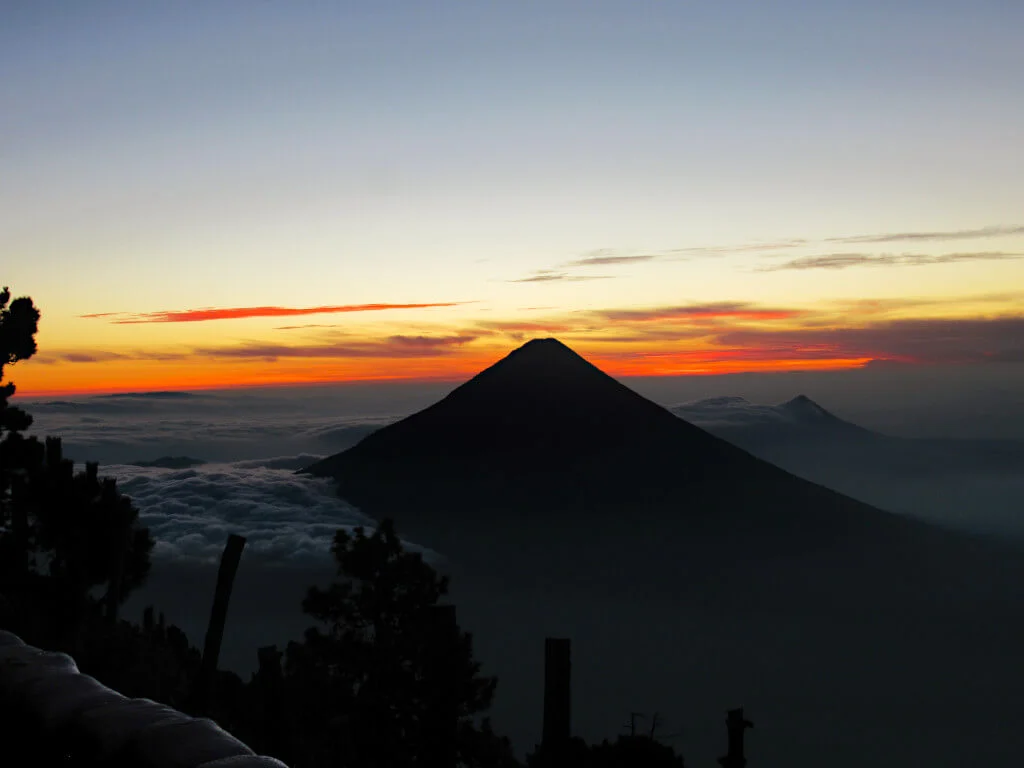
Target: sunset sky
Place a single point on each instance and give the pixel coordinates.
(237, 193)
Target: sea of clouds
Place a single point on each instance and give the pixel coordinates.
(286, 518)
(245, 448)
(237, 453)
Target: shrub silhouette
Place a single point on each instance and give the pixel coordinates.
(359, 686)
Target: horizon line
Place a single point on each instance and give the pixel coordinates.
(439, 379)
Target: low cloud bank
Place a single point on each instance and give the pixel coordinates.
(737, 412)
(212, 427)
(287, 519)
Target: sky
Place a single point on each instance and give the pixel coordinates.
(209, 195)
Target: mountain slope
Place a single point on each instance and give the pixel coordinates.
(974, 485)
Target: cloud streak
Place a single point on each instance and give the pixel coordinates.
(700, 312)
(956, 234)
(605, 258)
(551, 276)
(392, 347)
(105, 356)
(846, 260)
(396, 346)
(613, 257)
(237, 313)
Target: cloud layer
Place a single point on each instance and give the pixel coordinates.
(216, 426)
(235, 313)
(695, 337)
(917, 237)
(845, 260)
(286, 518)
(553, 276)
(606, 257)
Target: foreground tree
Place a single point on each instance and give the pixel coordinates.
(19, 323)
(62, 534)
(362, 684)
(88, 535)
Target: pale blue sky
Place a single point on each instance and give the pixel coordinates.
(222, 153)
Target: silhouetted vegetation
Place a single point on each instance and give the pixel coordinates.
(71, 548)
(364, 682)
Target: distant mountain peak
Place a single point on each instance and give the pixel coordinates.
(735, 416)
(802, 407)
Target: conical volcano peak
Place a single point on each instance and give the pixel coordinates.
(536, 411)
(549, 343)
(544, 367)
(547, 351)
(804, 407)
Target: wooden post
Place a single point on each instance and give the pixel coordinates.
(218, 616)
(632, 722)
(557, 694)
(736, 725)
(654, 725)
(440, 726)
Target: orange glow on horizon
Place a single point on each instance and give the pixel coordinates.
(116, 377)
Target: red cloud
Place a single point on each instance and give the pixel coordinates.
(234, 313)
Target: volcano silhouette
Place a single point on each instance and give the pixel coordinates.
(544, 438)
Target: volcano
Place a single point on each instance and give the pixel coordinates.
(544, 447)
(693, 576)
(544, 433)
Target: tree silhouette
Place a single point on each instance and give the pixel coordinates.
(361, 682)
(87, 532)
(19, 324)
(62, 534)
